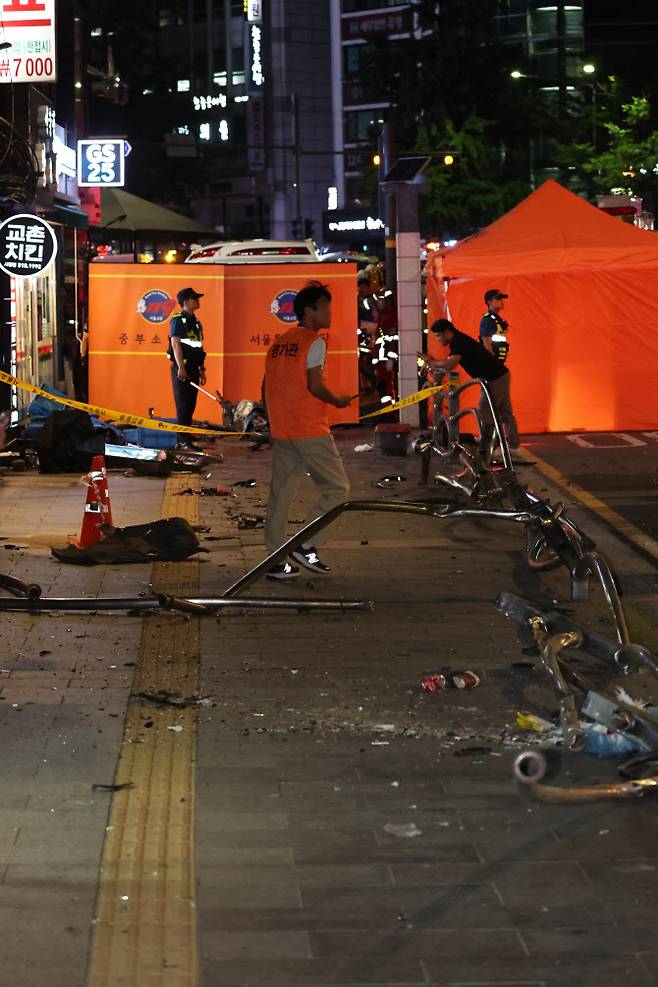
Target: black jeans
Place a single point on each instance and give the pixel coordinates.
(185, 397)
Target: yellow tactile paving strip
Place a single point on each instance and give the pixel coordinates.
(145, 919)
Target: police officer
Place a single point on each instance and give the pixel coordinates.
(493, 328)
(187, 357)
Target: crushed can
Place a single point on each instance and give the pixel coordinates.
(434, 683)
(465, 680)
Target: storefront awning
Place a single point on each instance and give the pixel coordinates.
(122, 212)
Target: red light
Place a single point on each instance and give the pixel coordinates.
(208, 252)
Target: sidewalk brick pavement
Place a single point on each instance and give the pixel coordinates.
(319, 754)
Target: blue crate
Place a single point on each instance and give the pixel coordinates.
(149, 438)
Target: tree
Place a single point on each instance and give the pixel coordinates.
(472, 191)
(628, 162)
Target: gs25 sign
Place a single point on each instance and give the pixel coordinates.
(102, 162)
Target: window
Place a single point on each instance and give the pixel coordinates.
(362, 125)
(356, 60)
(183, 86)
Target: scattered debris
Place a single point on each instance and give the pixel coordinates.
(434, 683)
(206, 492)
(528, 721)
(112, 788)
(249, 521)
(466, 680)
(244, 483)
(390, 481)
(165, 698)
(456, 680)
(176, 729)
(469, 751)
(403, 830)
(364, 447)
(608, 743)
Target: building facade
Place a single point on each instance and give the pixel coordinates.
(235, 110)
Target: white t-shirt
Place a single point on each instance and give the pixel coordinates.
(317, 353)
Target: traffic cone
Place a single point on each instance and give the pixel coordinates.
(98, 469)
(98, 510)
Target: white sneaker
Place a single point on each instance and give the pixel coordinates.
(283, 571)
(309, 559)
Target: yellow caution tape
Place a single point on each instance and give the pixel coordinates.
(137, 421)
(415, 398)
(108, 415)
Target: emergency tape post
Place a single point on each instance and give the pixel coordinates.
(114, 416)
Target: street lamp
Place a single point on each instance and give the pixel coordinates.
(588, 69)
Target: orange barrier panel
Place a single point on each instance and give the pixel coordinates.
(244, 308)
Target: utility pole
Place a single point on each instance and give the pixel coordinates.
(387, 204)
(298, 162)
(561, 26)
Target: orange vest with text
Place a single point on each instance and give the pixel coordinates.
(293, 412)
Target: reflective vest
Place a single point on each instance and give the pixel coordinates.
(499, 337)
(293, 412)
(191, 339)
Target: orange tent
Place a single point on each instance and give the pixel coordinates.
(583, 310)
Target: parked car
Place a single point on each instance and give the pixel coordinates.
(255, 252)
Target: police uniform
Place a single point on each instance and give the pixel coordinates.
(495, 328)
(187, 328)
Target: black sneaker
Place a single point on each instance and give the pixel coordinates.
(283, 571)
(309, 559)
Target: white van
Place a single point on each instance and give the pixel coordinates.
(255, 252)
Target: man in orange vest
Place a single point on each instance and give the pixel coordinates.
(297, 398)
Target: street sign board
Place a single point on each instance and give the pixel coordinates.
(254, 11)
(28, 245)
(352, 225)
(28, 27)
(255, 58)
(102, 162)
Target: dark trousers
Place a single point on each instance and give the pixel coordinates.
(500, 393)
(185, 397)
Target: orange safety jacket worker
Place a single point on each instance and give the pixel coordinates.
(293, 412)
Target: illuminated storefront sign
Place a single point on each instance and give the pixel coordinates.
(28, 245)
(362, 225)
(102, 162)
(28, 27)
(254, 11)
(256, 77)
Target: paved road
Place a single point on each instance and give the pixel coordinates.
(621, 469)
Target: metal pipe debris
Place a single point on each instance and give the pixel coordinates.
(32, 591)
(530, 768)
(208, 604)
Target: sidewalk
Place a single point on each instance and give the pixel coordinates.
(350, 829)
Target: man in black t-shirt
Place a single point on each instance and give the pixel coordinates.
(479, 363)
